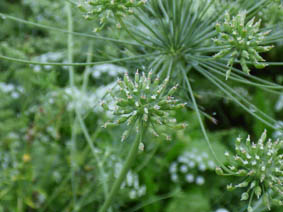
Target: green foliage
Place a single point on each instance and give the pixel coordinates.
(189, 200)
(54, 154)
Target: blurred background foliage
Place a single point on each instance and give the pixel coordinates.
(39, 171)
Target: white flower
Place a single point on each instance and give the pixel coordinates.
(190, 178)
(201, 167)
(173, 167)
(174, 177)
(221, 210)
(109, 69)
(183, 168)
(199, 180)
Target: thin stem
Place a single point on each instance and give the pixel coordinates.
(201, 122)
(70, 44)
(20, 205)
(222, 71)
(56, 192)
(154, 200)
(246, 101)
(148, 158)
(226, 89)
(5, 16)
(128, 163)
(77, 64)
(72, 84)
(133, 36)
(93, 150)
(87, 68)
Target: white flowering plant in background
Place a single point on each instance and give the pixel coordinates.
(191, 166)
(129, 105)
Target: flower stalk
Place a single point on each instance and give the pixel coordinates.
(128, 163)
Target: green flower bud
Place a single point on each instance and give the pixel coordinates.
(141, 146)
(125, 135)
(250, 209)
(258, 191)
(219, 171)
(243, 184)
(109, 124)
(245, 196)
(144, 101)
(104, 8)
(230, 187)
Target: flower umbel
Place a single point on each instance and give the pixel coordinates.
(241, 41)
(104, 8)
(261, 166)
(147, 101)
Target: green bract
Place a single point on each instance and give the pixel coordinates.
(241, 41)
(104, 8)
(146, 101)
(261, 166)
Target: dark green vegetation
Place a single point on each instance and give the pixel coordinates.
(55, 71)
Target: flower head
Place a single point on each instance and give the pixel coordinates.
(261, 166)
(104, 8)
(241, 41)
(146, 101)
(190, 167)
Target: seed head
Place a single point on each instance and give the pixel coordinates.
(145, 100)
(261, 166)
(103, 9)
(242, 41)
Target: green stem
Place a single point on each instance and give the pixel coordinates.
(93, 150)
(128, 163)
(87, 68)
(17, 60)
(6, 16)
(72, 85)
(20, 204)
(133, 36)
(201, 123)
(70, 44)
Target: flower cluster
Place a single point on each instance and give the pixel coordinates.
(11, 89)
(145, 101)
(131, 186)
(190, 166)
(109, 70)
(104, 8)
(261, 166)
(131, 183)
(241, 41)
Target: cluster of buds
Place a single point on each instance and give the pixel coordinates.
(261, 166)
(105, 8)
(146, 101)
(241, 41)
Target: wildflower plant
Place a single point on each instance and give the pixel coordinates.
(174, 39)
(241, 40)
(141, 104)
(261, 167)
